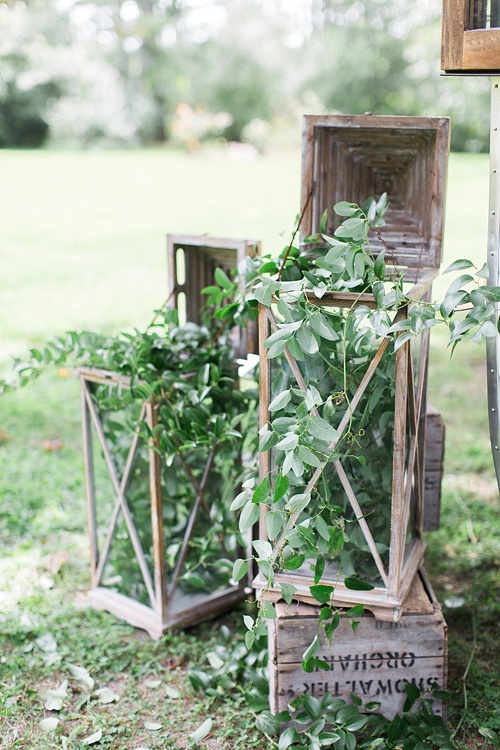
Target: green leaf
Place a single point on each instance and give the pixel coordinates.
(288, 443)
(202, 731)
(249, 639)
(307, 340)
(239, 501)
(319, 569)
(270, 724)
(240, 569)
(280, 488)
(355, 228)
(459, 265)
(321, 593)
(262, 491)
(322, 528)
(249, 623)
(287, 591)
(356, 584)
(274, 523)
(294, 562)
(308, 457)
(287, 738)
(320, 428)
(322, 326)
(263, 549)
(311, 649)
(343, 208)
(357, 611)
(249, 515)
(222, 279)
(281, 400)
(323, 221)
(459, 282)
(489, 734)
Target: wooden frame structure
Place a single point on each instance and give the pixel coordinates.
(470, 40)
(408, 473)
(192, 260)
(350, 158)
(111, 518)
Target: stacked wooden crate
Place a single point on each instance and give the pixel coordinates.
(401, 637)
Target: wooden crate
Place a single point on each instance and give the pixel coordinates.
(434, 455)
(375, 662)
(192, 261)
(353, 157)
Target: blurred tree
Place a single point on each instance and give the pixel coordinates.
(28, 78)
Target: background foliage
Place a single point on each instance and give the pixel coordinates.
(125, 72)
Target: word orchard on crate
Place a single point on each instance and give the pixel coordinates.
(375, 663)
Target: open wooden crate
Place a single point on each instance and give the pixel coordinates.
(351, 158)
(192, 260)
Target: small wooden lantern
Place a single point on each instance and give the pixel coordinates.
(470, 41)
(149, 525)
(351, 158)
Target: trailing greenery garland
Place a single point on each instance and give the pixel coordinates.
(309, 520)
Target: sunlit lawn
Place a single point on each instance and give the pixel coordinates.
(82, 244)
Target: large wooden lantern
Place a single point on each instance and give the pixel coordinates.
(163, 541)
(376, 476)
(471, 37)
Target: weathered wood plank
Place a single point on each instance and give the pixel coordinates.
(375, 662)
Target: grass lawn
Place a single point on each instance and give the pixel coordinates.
(82, 241)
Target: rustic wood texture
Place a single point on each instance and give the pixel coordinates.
(434, 456)
(167, 605)
(192, 261)
(353, 157)
(465, 46)
(375, 662)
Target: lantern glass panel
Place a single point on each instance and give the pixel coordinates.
(333, 374)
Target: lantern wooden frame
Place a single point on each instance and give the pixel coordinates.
(408, 477)
(349, 158)
(164, 610)
(466, 49)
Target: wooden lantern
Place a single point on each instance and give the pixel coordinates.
(146, 530)
(470, 41)
(351, 158)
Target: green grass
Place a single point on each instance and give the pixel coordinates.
(83, 245)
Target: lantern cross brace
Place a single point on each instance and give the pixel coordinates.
(120, 486)
(414, 398)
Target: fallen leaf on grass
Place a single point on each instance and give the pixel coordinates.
(56, 697)
(153, 726)
(106, 695)
(56, 561)
(4, 437)
(52, 445)
(171, 692)
(202, 731)
(48, 725)
(93, 738)
(152, 684)
(63, 372)
(81, 675)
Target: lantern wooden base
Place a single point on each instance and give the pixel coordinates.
(383, 606)
(375, 662)
(187, 611)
